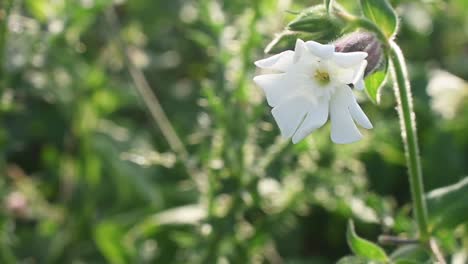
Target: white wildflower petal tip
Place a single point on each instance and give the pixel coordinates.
(343, 129)
(359, 116)
(360, 84)
(310, 85)
(277, 87)
(299, 50)
(290, 114)
(279, 62)
(319, 50)
(316, 117)
(360, 74)
(349, 59)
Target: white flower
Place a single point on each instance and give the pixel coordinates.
(311, 83)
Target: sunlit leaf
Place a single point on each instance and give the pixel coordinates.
(108, 236)
(405, 261)
(382, 14)
(362, 247)
(182, 215)
(43, 9)
(414, 253)
(447, 206)
(374, 82)
(352, 260)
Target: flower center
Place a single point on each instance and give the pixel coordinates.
(322, 77)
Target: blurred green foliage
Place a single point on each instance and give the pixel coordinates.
(90, 174)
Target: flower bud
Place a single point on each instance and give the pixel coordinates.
(362, 41)
(317, 22)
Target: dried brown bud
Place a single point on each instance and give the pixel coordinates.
(362, 41)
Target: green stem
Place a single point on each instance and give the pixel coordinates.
(408, 127)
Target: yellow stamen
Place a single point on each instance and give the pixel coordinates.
(322, 77)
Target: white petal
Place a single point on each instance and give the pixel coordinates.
(279, 62)
(339, 74)
(299, 49)
(343, 129)
(346, 97)
(359, 72)
(316, 117)
(349, 59)
(289, 114)
(360, 84)
(319, 50)
(346, 75)
(277, 87)
(359, 116)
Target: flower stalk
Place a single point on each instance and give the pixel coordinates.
(408, 130)
(406, 115)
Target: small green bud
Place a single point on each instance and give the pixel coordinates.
(316, 21)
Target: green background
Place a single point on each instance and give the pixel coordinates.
(89, 176)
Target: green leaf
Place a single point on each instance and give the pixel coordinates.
(362, 247)
(447, 206)
(43, 9)
(108, 236)
(405, 261)
(382, 14)
(183, 215)
(352, 260)
(415, 253)
(374, 82)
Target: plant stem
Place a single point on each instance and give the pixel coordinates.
(408, 131)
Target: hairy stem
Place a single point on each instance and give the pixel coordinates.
(408, 131)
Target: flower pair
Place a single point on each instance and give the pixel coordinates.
(307, 86)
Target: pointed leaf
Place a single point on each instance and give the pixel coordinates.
(183, 215)
(362, 247)
(405, 261)
(352, 260)
(107, 236)
(414, 253)
(382, 14)
(374, 82)
(447, 206)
